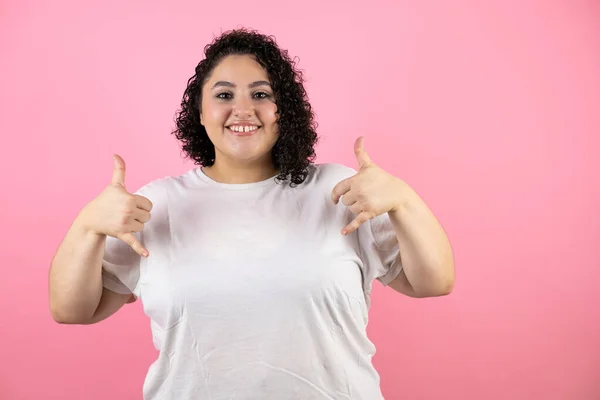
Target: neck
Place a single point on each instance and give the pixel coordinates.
(239, 173)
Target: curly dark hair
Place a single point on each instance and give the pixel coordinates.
(294, 150)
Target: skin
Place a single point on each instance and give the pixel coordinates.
(238, 92)
(76, 294)
(233, 93)
(425, 251)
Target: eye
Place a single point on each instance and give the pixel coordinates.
(224, 96)
(261, 95)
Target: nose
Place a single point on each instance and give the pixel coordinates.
(242, 108)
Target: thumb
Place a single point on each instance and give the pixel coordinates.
(362, 157)
(118, 177)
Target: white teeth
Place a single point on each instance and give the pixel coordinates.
(237, 128)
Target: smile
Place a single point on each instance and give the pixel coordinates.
(243, 130)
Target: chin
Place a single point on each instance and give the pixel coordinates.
(239, 155)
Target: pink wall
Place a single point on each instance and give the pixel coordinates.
(492, 112)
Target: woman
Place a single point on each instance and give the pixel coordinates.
(254, 276)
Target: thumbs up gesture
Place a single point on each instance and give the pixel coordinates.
(116, 212)
(369, 193)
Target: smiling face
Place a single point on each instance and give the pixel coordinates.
(239, 112)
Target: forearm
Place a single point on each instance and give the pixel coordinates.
(75, 277)
(425, 250)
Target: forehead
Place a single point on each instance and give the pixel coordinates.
(238, 69)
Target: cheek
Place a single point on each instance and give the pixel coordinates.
(214, 113)
(269, 113)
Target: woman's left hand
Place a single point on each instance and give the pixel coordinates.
(369, 193)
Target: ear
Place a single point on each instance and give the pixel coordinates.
(201, 119)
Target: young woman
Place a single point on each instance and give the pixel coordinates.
(256, 267)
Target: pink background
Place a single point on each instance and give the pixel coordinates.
(491, 112)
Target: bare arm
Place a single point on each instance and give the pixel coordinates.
(76, 293)
(426, 253)
(75, 279)
(110, 303)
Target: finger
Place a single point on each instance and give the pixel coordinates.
(142, 216)
(136, 226)
(118, 177)
(143, 203)
(362, 157)
(358, 221)
(356, 208)
(132, 241)
(339, 190)
(349, 198)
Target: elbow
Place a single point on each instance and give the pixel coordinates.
(442, 285)
(445, 285)
(62, 316)
(445, 288)
(438, 290)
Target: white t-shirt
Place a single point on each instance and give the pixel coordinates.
(253, 292)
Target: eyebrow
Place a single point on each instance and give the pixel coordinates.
(231, 85)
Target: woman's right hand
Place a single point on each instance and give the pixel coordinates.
(116, 212)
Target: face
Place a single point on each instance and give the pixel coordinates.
(239, 111)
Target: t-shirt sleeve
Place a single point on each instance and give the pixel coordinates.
(380, 251)
(120, 263)
(378, 246)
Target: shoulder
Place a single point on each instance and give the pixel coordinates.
(329, 174)
(158, 188)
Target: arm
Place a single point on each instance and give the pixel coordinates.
(426, 253)
(76, 294)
